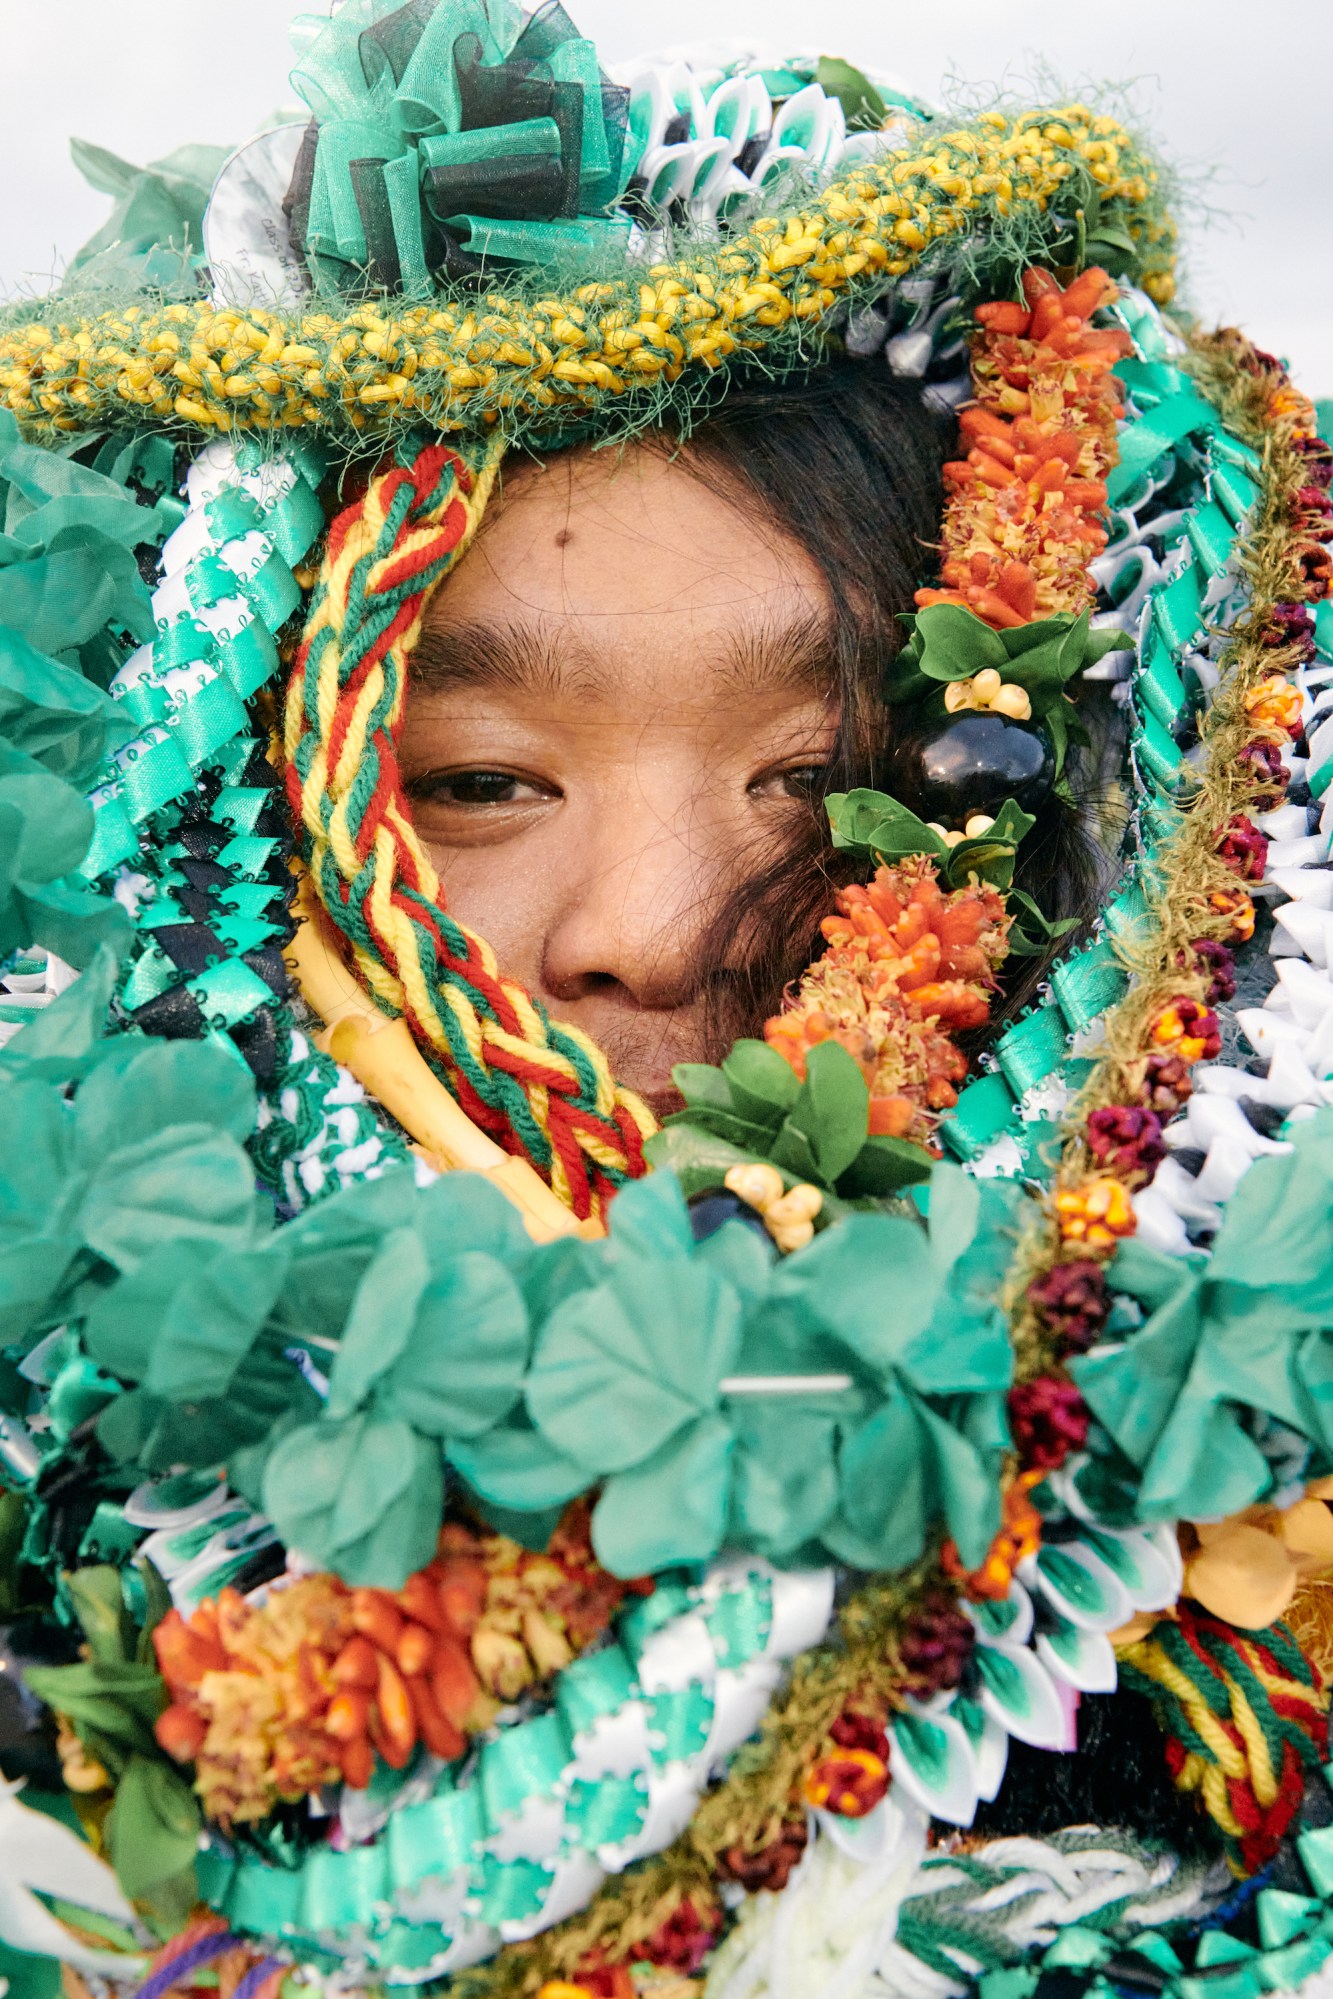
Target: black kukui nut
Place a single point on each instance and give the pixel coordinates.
(975, 761)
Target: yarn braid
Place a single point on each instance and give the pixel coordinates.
(1245, 1716)
(541, 1089)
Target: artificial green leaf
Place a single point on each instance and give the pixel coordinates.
(784, 1476)
(762, 1083)
(964, 1490)
(380, 1322)
(211, 1322)
(99, 1604)
(461, 1370)
(620, 1368)
(516, 1468)
(751, 1139)
(701, 1084)
(649, 1218)
(125, 1320)
(153, 1828)
(837, 1286)
(831, 1108)
(951, 643)
(66, 1037)
(990, 855)
(794, 1155)
(157, 1605)
(462, 1211)
(882, 1167)
(363, 1497)
(668, 1508)
(52, 714)
(863, 107)
(873, 822)
(169, 1083)
(884, 1510)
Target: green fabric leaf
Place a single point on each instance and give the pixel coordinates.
(620, 1368)
(762, 1084)
(669, 1508)
(884, 1166)
(784, 1476)
(882, 1520)
(211, 1323)
(461, 1371)
(701, 1084)
(516, 1468)
(363, 1497)
(871, 821)
(66, 1037)
(649, 1218)
(831, 1108)
(190, 1083)
(125, 1320)
(380, 1322)
(99, 1604)
(153, 1828)
(52, 714)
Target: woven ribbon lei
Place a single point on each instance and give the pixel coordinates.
(542, 1090)
(1244, 1715)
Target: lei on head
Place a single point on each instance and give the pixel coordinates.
(433, 1587)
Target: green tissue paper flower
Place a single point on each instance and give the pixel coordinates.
(1249, 1331)
(148, 1154)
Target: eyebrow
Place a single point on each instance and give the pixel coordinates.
(547, 661)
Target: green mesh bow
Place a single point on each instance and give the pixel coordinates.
(447, 131)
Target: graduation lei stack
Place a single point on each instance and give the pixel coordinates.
(438, 1555)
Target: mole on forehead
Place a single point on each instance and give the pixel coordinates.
(550, 657)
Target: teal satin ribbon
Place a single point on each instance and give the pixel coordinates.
(1144, 443)
(1178, 609)
(1087, 984)
(181, 737)
(458, 128)
(1032, 1049)
(1212, 536)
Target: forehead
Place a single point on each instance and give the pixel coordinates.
(631, 554)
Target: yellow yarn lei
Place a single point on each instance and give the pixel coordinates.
(459, 360)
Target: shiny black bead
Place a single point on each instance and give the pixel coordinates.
(976, 760)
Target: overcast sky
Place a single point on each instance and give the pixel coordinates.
(1239, 96)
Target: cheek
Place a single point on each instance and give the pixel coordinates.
(502, 896)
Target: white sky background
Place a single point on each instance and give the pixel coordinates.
(1239, 93)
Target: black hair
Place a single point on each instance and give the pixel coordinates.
(847, 462)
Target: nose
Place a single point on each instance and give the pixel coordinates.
(633, 913)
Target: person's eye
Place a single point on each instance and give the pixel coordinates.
(806, 782)
(476, 788)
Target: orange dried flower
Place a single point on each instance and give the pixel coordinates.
(850, 1782)
(1023, 520)
(1189, 1029)
(1235, 904)
(1098, 1213)
(271, 1701)
(1019, 1537)
(1273, 703)
(908, 965)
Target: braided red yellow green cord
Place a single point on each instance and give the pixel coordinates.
(541, 1089)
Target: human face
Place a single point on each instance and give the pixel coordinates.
(621, 699)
